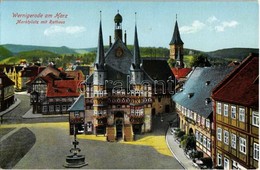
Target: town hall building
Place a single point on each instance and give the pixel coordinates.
(123, 93)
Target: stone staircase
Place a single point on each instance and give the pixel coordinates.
(111, 133)
(128, 133)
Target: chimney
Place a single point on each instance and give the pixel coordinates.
(125, 37)
(110, 41)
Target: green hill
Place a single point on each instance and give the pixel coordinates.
(21, 48)
(4, 53)
(32, 56)
(232, 53)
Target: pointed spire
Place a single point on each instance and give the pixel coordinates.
(100, 59)
(137, 57)
(176, 38)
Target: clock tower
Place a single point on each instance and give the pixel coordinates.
(176, 46)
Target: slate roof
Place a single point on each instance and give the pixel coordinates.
(176, 38)
(78, 105)
(242, 85)
(196, 87)
(157, 69)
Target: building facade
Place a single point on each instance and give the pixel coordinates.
(194, 106)
(236, 117)
(53, 92)
(6, 91)
(120, 98)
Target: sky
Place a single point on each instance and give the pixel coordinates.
(204, 25)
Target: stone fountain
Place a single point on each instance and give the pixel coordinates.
(75, 160)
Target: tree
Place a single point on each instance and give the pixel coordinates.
(171, 62)
(200, 60)
(188, 142)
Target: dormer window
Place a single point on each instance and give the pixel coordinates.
(207, 101)
(190, 95)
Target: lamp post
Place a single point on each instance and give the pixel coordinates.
(75, 160)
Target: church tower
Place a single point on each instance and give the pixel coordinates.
(176, 45)
(118, 26)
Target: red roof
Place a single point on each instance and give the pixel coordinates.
(181, 72)
(63, 88)
(241, 86)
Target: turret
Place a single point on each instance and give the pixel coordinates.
(136, 72)
(118, 26)
(99, 65)
(176, 43)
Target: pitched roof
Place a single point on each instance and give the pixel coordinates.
(6, 81)
(198, 88)
(176, 38)
(75, 75)
(78, 105)
(63, 88)
(157, 69)
(181, 72)
(241, 86)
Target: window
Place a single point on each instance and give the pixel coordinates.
(197, 135)
(202, 121)
(201, 138)
(226, 163)
(64, 108)
(219, 134)
(242, 145)
(226, 137)
(207, 123)
(219, 161)
(233, 141)
(226, 110)
(233, 112)
(241, 114)
(219, 108)
(204, 141)
(198, 119)
(208, 144)
(256, 151)
(255, 119)
(57, 108)
(44, 109)
(51, 108)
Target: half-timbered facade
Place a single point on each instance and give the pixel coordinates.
(236, 117)
(194, 105)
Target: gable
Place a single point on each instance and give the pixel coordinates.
(119, 57)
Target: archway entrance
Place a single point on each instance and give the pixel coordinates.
(191, 131)
(119, 122)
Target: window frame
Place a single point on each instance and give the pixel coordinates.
(219, 108)
(226, 162)
(226, 137)
(219, 159)
(233, 141)
(255, 117)
(256, 151)
(242, 145)
(219, 134)
(233, 112)
(225, 110)
(241, 114)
